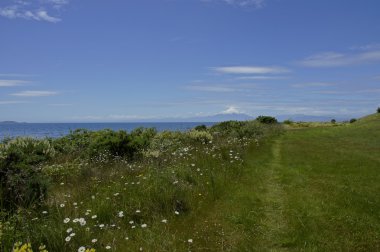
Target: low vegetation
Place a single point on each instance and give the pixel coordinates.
(235, 186)
(108, 190)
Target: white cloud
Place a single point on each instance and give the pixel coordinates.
(38, 10)
(241, 3)
(251, 70)
(334, 59)
(61, 104)
(222, 89)
(261, 78)
(366, 47)
(44, 16)
(13, 75)
(313, 84)
(231, 110)
(35, 93)
(11, 102)
(12, 83)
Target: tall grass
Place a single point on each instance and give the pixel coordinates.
(117, 191)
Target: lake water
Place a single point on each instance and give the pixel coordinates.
(40, 130)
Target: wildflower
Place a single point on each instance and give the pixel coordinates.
(82, 249)
(76, 220)
(62, 205)
(116, 194)
(94, 217)
(138, 211)
(190, 241)
(164, 221)
(176, 212)
(92, 197)
(66, 220)
(121, 214)
(82, 222)
(144, 225)
(68, 238)
(94, 240)
(131, 222)
(75, 203)
(69, 230)
(101, 225)
(108, 247)
(44, 212)
(72, 234)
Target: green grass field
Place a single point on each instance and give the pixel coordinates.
(305, 189)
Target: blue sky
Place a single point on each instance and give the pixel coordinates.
(71, 60)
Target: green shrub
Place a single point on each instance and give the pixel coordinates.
(378, 110)
(333, 121)
(227, 127)
(266, 119)
(105, 144)
(22, 182)
(201, 128)
(288, 121)
(237, 129)
(353, 120)
(199, 136)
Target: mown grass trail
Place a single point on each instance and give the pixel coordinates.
(313, 189)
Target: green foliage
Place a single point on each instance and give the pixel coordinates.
(266, 119)
(201, 128)
(353, 120)
(104, 173)
(21, 180)
(105, 144)
(199, 136)
(378, 110)
(333, 121)
(288, 121)
(237, 129)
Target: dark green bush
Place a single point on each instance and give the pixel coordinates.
(21, 181)
(239, 129)
(106, 143)
(353, 120)
(201, 128)
(266, 119)
(378, 110)
(288, 121)
(333, 121)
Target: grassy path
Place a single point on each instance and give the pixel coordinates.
(309, 190)
(250, 217)
(274, 222)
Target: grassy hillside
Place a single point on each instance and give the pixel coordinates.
(236, 187)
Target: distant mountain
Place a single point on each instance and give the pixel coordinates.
(8, 122)
(309, 118)
(221, 118)
(211, 118)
